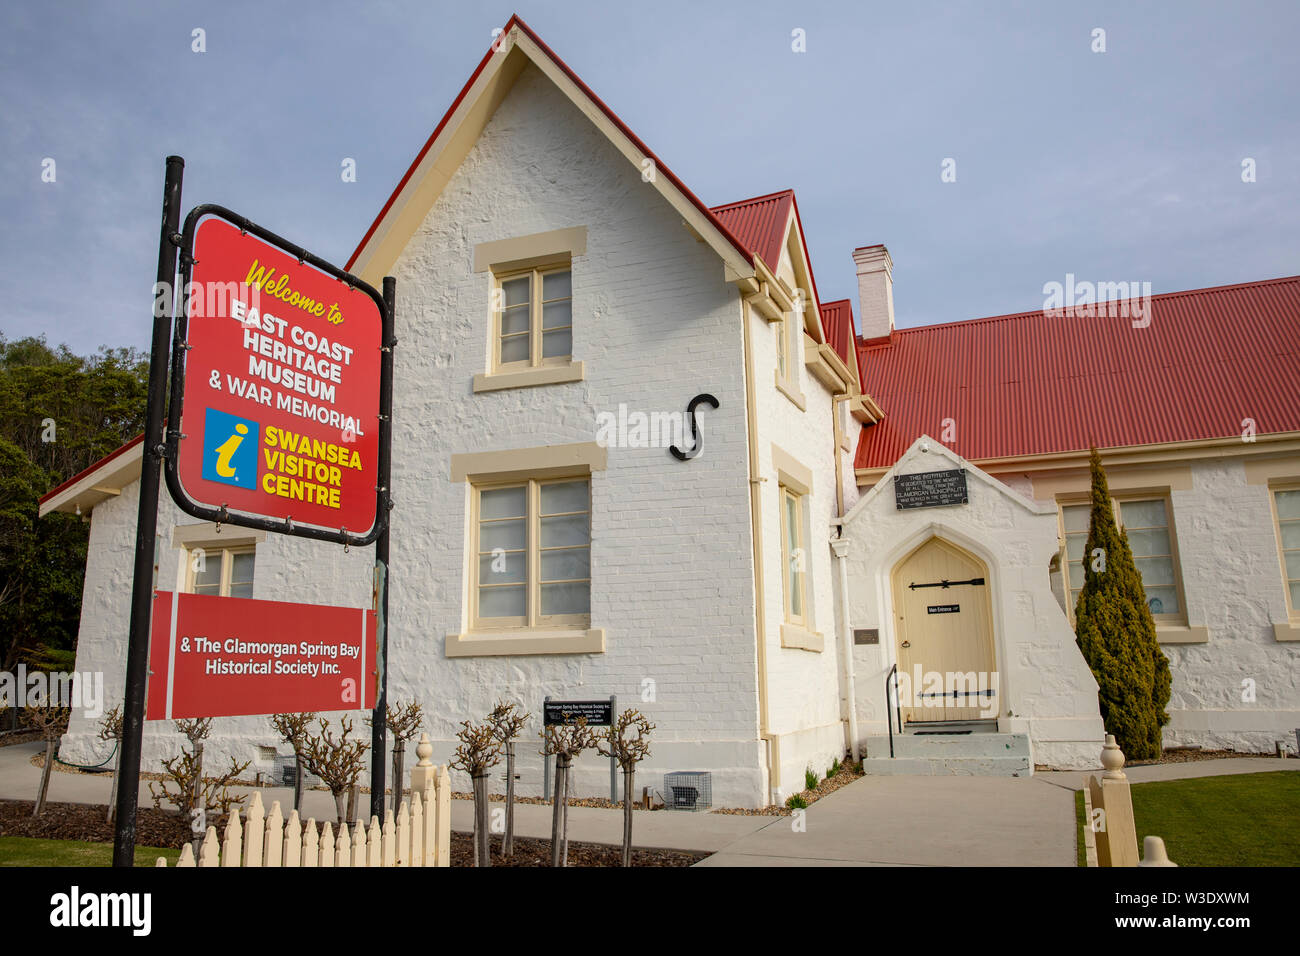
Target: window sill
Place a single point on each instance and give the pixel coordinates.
(1176, 634)
(791, 391)
(525, 641)
(528, 377)
(1287, 632)
(794, 636)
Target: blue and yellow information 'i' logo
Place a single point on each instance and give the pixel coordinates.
(230, 449)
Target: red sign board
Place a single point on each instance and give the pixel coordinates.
(281, 396)
(227, 656)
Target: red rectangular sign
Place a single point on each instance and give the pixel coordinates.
(282, 386)
(227, 656)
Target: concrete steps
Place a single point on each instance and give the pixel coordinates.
(974, 755)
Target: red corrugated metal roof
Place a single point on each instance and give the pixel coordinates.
(759, 223)
(1034, 383)
(837, 323)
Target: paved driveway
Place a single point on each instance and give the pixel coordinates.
(920, 821)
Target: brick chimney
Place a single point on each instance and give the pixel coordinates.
(875, 290)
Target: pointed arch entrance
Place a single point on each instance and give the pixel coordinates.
(943, 625)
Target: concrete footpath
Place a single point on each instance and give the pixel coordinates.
(874, 821)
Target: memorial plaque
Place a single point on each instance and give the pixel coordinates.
(866, 635)
(930, 489)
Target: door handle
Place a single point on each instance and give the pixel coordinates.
(906, 644)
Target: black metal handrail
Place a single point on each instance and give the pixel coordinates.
(889, 717)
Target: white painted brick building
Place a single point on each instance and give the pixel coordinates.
(715, 601)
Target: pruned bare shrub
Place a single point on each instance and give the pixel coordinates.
(478, 752)
(50, 722)
(628, 742)
(338, 761)
(294, 730)
(564, 742)
(507, 721)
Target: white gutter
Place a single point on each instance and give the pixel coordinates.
(840, 547)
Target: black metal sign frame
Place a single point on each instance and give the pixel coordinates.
(180, 345)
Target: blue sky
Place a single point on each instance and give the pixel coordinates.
(1114, 166)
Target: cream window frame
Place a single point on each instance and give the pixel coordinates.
(532, 619)
(1175, 620)
(1293, 612)
(535, 359)
(788, 548)
(226, 554)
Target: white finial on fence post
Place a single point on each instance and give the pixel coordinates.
(422, 772)
(1153, 852)
(1112, 759)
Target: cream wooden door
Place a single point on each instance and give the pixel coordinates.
(945, 631)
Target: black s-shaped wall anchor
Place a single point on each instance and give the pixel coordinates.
(696, 437)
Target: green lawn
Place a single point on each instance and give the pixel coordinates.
(1248, 819)
(29, 851)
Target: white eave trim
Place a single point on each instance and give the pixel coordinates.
(106, 481)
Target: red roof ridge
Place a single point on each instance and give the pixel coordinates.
(746, 202)
(1030, 313)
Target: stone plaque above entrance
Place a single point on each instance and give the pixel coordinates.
(930, 489)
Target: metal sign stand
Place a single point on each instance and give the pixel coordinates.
(613, 762)
(161, 446)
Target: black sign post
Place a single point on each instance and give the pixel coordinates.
(930, 489)
(599, 713)
(146, 527)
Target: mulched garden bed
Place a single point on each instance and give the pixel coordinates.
(847, 774)
(163, 828)
(532, 852)
(80, 821)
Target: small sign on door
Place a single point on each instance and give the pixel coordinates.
(943, 609)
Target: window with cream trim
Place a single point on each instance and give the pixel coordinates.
(221, 572)
(793, 558)
(532, 554)
(533, 319)
(1150, 538)
(1286, 505)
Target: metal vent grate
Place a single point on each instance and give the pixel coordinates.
(688, 790)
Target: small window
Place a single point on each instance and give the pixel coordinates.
(534, 324)
(1287, 503)
(222, 572)
(533, 550)
(794, 557)
(782, 350)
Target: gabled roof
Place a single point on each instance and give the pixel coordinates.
(837, 320)
(1035, 383)
(469, 113)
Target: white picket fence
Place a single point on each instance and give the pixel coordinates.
(418, 835)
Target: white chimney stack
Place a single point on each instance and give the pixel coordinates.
(875, 291)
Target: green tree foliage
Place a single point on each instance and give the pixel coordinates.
(1115, 632)
(59, 414)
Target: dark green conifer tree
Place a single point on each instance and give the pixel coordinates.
(1117, 635)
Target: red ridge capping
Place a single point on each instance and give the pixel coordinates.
(93, 468)
(660, 167)
(1031, 383)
